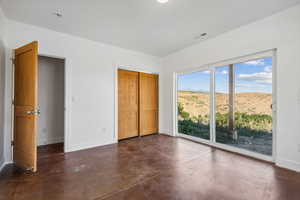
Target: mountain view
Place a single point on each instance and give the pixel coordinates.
(197, 103)
(247, 123)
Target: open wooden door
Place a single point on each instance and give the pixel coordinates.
(26, 106)
(148, 104)
(128, 104)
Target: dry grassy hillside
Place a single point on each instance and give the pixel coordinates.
(197, 103)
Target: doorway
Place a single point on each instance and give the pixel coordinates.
(243, 105)
(51, 98)
(38, 98)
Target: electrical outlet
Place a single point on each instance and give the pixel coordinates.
(103, 130)
(298, 96)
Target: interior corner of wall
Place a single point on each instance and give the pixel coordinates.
(166, 132)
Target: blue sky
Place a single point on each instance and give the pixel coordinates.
(252, 76)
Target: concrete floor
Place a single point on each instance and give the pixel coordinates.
(153, 167)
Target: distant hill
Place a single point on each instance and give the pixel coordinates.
(197, 103)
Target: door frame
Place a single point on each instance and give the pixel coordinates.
(67, 100)
(116, 106)
(212, 142)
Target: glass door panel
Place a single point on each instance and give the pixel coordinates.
(253, 105)
(193, 104)
(243, 105)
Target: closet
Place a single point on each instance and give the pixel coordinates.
(137, 104)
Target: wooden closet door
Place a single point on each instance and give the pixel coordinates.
(128, 103)
(148, 104)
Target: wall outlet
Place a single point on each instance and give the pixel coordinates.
(298, 96)
(103, 130)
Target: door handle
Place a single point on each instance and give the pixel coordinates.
(33, 112)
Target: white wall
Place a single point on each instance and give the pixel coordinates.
(90, 71)
(51, 100)
(281, 31)
(90, 77)
(2, 84)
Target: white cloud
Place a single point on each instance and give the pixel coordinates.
(255, 62)
(266, 81)
(260, 77)
(224, 72)
(268, 68)
(206, 72)
(250, 86)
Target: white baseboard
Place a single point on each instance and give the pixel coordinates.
(288, 164)
(166, 132)
(50, 141)
(3, 164)
(87, 146)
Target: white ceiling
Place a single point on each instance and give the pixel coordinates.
(143, 25)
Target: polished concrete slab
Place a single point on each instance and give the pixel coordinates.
(153, 167)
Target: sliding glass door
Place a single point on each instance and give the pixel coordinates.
(193, 99)
(244, 105)
(229, 105)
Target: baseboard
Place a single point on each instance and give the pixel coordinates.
(166, 132)
(51, 141)
(87, 146)
(288, 164)
(3, 164)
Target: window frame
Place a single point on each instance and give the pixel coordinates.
(211, 67)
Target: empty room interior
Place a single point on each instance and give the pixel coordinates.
(149, 99)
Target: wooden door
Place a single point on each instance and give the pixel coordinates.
(26, 106)
(128, 103)
(148, 104)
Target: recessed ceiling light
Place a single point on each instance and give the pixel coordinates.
(162, 1)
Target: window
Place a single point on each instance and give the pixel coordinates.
(194, 104)
(235, 110)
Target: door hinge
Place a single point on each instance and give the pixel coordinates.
(13, 61)
(13, 102)
(12, 143)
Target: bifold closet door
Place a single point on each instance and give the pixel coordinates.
(148, 104)
(128, 103)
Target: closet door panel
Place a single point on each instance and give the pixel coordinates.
(128, 103)
(148, 104)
